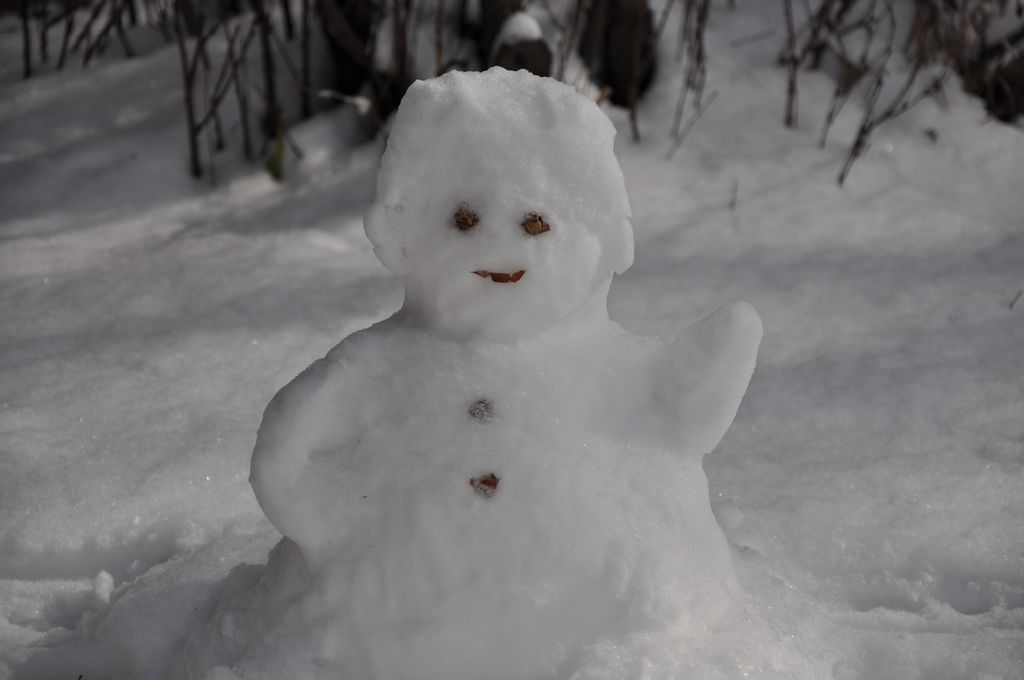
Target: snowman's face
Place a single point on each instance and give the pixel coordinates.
(500, 201)
(495, 264)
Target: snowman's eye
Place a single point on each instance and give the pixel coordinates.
(534, 224)
(465, 219)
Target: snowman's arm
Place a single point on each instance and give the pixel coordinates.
(702, 376)
(292, 423)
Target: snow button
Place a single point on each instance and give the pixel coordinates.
(482, 410)
(485, 485)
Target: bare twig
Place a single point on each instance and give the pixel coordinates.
(792, 61)
(678, 142)
(129, 51)
(97, 45)
(832, 27)
(43, 16)
(237, 81)
(552, 16)
(265, 29)
(293, 145)
(399, 40)
(26, 39)
(637, 45)
(306, 102)
(439, 39)
(225, 76)
(214, 140)
(188, 82)
(286, 57)
(86, 31)
(340, 30)
(869, 120)
(752, 38)
(568, 36)
(694, 27)
(289, 22)
(904, 98)
(69, 28)
(697, 64)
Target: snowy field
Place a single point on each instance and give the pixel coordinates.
(871, 487)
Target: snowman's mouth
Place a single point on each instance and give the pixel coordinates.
(501, 277)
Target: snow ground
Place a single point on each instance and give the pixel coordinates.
(876, 465)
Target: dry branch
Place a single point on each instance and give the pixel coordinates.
(701, 108)
(792, 62)
(693, 28)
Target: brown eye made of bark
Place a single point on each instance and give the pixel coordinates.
(534, 225)
(465, 219)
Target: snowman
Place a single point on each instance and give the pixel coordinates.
(499, 481)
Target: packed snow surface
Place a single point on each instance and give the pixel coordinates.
(869, 488)
(518, 27)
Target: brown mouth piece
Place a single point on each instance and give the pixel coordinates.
(501, 277)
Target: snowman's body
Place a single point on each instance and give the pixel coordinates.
(584, 539)
(498, 480)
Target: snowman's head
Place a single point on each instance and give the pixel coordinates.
(501, 202)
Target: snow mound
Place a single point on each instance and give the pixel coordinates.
(518, 27)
